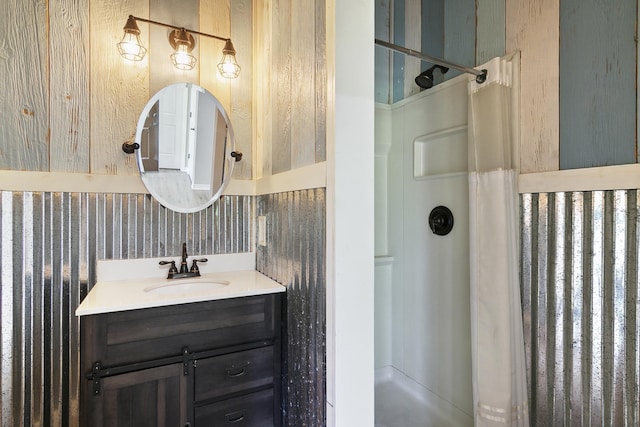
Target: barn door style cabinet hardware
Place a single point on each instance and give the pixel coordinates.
(200, 364)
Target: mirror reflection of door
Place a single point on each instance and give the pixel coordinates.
(173, 129)
(185, 138)
(192, 132)
(203, 152)
(217, 174)
(149, 140)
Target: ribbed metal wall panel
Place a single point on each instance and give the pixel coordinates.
(580, 289)
(49, 243)
(295, 257)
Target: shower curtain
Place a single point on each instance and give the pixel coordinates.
(499, 375)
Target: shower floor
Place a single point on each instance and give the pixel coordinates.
(402, 402)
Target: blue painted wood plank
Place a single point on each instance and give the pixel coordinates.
(597, 83)
(432, 24)
(490, 30)
(382, 55)
(398, 58)
(459, 33)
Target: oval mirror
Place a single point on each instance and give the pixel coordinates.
(186, 147)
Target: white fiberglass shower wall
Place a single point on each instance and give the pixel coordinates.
(422, 330)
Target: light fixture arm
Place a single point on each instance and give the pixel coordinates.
(162, 24)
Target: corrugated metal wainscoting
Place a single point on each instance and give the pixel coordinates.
(580, 305)
(295, 256)
(49, 245)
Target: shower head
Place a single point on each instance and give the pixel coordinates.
(425, 78)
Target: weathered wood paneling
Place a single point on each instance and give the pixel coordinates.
(398, 59)
(120, 88)
(383, 56)
(281, 86)
(68, 100)
(235, 20)
(303, 123)
(24, 83)
(321, 80)
(184, 14)
(459, 33)
(96, 96)
(290, 85)
(532, 26)
(242, 87)
(490, 34)
(263, 107)
(69, 85)
(432, 25)
(215, 19)
(412, 40)
(443, 29)
(597, 83)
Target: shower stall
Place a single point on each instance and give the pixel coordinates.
(422, 312)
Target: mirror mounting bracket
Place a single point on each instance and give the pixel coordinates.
(129, 147)
(236, 155)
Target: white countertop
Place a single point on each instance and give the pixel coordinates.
(122, 285)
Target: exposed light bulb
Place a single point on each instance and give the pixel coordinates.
(228, 66)
(130, 47)
(182, 59)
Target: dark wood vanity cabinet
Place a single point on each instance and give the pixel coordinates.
(214, 363)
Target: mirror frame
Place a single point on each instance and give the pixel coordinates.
(230, 155)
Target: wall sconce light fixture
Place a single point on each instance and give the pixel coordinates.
(130, 47)
(182, 42)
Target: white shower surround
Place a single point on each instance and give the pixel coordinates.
(422, 280)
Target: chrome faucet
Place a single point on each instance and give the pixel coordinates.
(185, 271)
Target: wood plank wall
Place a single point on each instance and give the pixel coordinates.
(597, 83)
(578, 93)
(24, 107)
(383, 56)
(460, 34)
(290, 84)
(587, 119)
(465, 32)
(490, 37)
(67, 99)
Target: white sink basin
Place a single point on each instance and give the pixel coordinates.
(182, 286)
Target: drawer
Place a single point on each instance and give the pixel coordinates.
(251, 410)
(233, 373)
(148, 334)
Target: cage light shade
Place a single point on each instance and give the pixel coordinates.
(130, 47)
(183, 42)
(182, 59)
(228, 66)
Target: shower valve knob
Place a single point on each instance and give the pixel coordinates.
(441, 220)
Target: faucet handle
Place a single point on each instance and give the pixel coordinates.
(194, 265)
(173, 268)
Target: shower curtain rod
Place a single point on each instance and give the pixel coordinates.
(481, 76)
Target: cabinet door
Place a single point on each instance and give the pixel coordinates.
(154, 397)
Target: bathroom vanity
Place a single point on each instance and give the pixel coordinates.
(181, 353)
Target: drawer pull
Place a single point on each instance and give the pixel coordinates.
(235, 417)
(237, 372)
